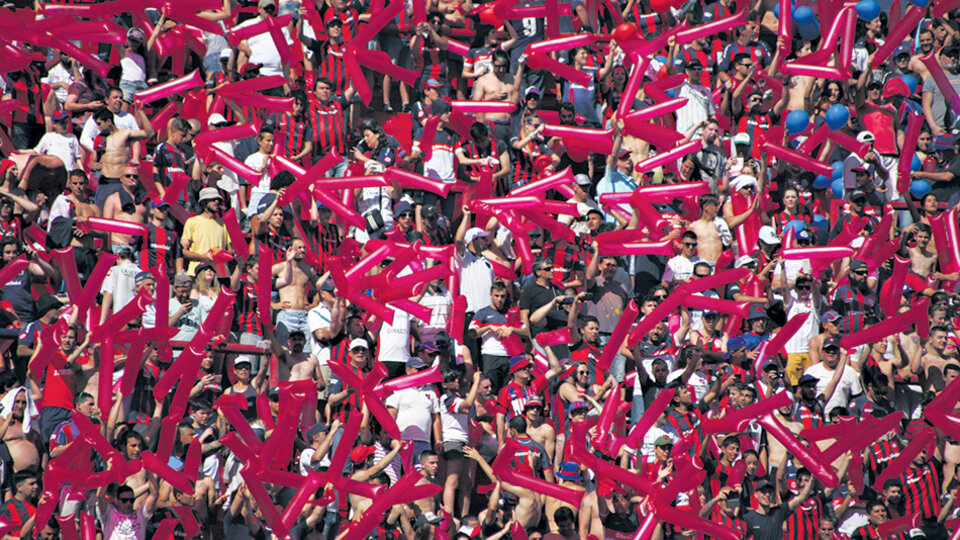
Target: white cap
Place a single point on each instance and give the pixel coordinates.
(359, 342)
(473, 233)
(243, 359)
(743, 181)
(741, 138)
(768, 235)
(865, 136)
(744, 260)
(216, 118)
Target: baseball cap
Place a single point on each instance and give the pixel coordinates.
(60, 115)
(569, 471)
(582, 180)
(159, 203)
(249, 66)
(770, 364)
(242, 359)
(46, 303)
(768, 235)
(831, 341)
(209, 193)
(806, 379)
(415, 362)
(202, 267)
(624, 153)
(663, 440)
(216, 119)
(266, 3)
(142, 276)
(473, 233)
(182, 279)
(265, 202)
(764, 484)
(533, 402)
(135, 34)
(317, 429)
(519, 362)
(693, 63)
(428, 211)
(735, 344)
(328, 285)
(902, 49)
(532, 90)
(756, 312)
(361, 453)
(830, 316)
(744, 260)
(857, 265)
(359, 342)
(440, 106)
(401, 207)
(433, 83)
(865, 136)
(741, 138)
(576, 406)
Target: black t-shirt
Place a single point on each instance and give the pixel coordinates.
(618, 523)
(235, 527)
(533, 297)
(767, 526)
(944, 190)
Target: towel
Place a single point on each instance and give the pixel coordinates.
(29, 414)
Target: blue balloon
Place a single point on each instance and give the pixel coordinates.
(822, 182)
(911, 83)
(837, 187)
(776, 10)
(837, 169)
(797, 121)
(920, 3)
(819, 222)
(919, 188)
(810, 32)
(915, 164)
(868, 10)
(837, 116)
(794, 224)
(803, 16)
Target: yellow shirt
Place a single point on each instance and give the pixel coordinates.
(203, 234)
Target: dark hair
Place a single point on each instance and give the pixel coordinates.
(111, 89)
(265, 129)
(281, 180)
(501, 56)
(587, 319)
(103, 115)
(892, 482)
(200, 403)
(728, 440)
(300, 97)
(708, 198)
(875, 503)
(8, 379)
(123, 489)
(24, 475)
(81, 397)
(497, 286)
(518, 424)
(180, 124)
(428, 453)
(563, 514)
(323, 80)
(740, 57)
(479, 130)
(688, 234)
(568, 107)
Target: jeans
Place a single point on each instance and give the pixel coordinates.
(337, 171)
(130, 88)
(619, 364)
(249, 338)
(497, 368)
(289, 320)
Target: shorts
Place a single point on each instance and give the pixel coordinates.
(453, 450)
(130, 88)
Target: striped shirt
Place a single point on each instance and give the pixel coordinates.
(329, 127)
(292, 132)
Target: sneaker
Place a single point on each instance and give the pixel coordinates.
(406, 108)
(387, 108)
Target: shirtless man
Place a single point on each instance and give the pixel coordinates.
(537, 429)
(296, 365)
(365, 471)
(118, 145)
(19, 449)
(297, 284)
(776, 452)
(76, 194)
(926, 42)
(125, 205)
(429, 465)
(830, 321)
(588, 515)
(922, 260)
(936, 357)
(499, 85)
(131, 444)
(709, 242)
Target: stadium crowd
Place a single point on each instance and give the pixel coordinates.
(538, 269)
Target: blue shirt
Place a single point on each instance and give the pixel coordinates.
(615, 181)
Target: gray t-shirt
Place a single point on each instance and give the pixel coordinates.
(943, 113)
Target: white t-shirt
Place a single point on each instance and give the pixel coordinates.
(455, 424)
(680, 268)
(440, 304)
(394, 343)
(306, 466)
(849, 385)
(66, 147)
(133, 68)
(118, 526)
(800, 342)
(264, 51)
(319, 318)
(121, 283)
(60, 74)
(255, 161)
(476, 277)
(415, 409)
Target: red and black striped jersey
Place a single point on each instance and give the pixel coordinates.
(780, 219)
(247, 311)
(921, 488)
(803, 523)
(27, 90)
(329, 127)
(291, 132)
(880, 455)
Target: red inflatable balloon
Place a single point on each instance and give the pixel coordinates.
(625, 32)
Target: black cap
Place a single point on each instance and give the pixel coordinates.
(858, 264)
(47, 302)
(764, 484)
(831, 341)
(440, 106)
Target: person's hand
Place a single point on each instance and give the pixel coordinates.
(423, 28)
(465, 209)
(207, 433)
(206, 379)
(594, 248)
(471, 453)
(95, 105)
(285, 304)
(320, 386)
(302, 12)
(394, 444)
(752, 355)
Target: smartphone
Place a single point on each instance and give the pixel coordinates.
(566, 300)
(261, 344)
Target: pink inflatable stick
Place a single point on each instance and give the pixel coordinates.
(558, 180)
(376, 23)
(176, 86)
(564, 71)
(640, 64)
(670, 155)
(897, 34)
(412, 180)
(267, 103)
(942, 8)
(721, 25)
(808, 456)
(777, 342)
(474, 107)
(357, 78)
(848, 142)
(405, 490)
(164, 471)
(564, 43)
(114, 226)
(796, 158)
(914, 124)
(380, 61)
(943, 83)
(832, 253)
(889, 326)
(231, 133)
(630, 314)
(428, 376)
(248, 86)
(596, 140)
(651, 132)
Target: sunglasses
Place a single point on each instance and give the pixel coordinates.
(859, 273)
(126, 500)
(803, 287)
(131, 176)
(242, 367)
(690, 244)
(406, 215)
